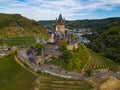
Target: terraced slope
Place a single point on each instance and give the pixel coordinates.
(18, 41)
(48, 82)
(13, 76)
(99, 62)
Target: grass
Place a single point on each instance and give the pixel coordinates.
(55, 61)
(13, 76)
(99, 62)
(49, 82)
(18, 41)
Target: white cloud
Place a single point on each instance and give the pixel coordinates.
(49, 9)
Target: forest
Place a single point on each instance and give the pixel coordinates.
(107, 43)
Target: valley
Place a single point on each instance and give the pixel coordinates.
(68, 57)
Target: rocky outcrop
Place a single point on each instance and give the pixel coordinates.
(111, 83)
(106, 82)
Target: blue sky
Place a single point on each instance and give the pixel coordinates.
(70, 9)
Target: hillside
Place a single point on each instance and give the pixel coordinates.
(15, 25)
(108, 43)
(84, 60)
(99, 62)
(49, 24)
(95, 24)
(13, 76)
(17, 41)
(49, 82)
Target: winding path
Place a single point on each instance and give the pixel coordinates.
(22, 65)
(55, 70)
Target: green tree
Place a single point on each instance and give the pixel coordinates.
(72, 37)
(78, 58)
(89, 72)
(108, 43)
(63, 45)
(39, 47)
(73, 60)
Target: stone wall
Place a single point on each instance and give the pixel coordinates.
(60, 28)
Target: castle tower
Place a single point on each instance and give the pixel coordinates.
(60, 24)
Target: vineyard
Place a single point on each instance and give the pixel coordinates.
(49, 82)
(99, 62)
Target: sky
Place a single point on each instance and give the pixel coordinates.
(70, 9)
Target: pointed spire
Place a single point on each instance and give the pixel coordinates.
(60, 20)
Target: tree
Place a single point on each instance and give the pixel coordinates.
(72, 37)
(78, 58)
(63, 45)
(108, 43)
(39, 47)
(89, 72)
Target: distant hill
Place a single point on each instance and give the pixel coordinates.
(108, 43)
(95, 24)
(15, 25)
(49, 24)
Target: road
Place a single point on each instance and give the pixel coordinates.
(55, 70)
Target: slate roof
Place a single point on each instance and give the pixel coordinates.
(60, 20)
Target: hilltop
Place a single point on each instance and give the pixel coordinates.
(105, 38)
(15, 25)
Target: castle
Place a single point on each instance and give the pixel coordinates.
(60, 24)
